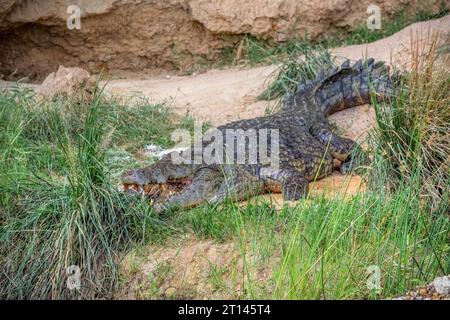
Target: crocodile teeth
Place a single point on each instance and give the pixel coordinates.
(153, 189)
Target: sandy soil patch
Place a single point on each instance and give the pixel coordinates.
(190, 269)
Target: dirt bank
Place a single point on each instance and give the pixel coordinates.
(189, 269)
(122, 36)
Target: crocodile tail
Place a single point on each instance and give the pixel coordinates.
(354, 85)
(347, 86)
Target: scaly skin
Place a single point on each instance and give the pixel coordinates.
(307, 143)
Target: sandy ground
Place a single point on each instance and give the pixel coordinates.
(190, 269)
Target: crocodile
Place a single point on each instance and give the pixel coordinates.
(307, 144)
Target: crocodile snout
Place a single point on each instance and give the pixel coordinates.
(143, 177)
(134, 177)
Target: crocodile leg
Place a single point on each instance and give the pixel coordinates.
(340, 148)
(289, 181)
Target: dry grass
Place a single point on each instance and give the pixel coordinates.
(413, 135)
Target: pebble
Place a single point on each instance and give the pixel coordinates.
(442, 285)
(439, 289)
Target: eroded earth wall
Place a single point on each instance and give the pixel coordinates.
(119, 36)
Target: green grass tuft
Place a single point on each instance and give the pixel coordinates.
(411, 140)
(59, 205)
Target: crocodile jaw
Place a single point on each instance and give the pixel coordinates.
(157, 190)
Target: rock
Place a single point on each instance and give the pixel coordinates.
(439, 289)
(127, 36)
(423, 291)
(67, 81)
(442, 285)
